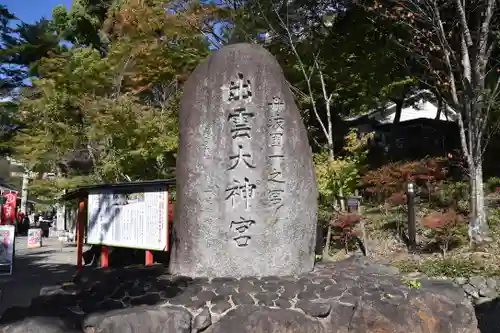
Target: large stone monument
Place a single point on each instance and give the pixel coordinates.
(246, 191)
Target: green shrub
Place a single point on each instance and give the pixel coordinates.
(493, 184)
(494, 221)
(494, 216)
(337, 178)
(453, 195)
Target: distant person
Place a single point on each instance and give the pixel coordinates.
(20, 216)
(22, 223)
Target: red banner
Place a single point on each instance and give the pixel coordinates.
(9, 208)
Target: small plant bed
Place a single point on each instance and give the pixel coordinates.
(460, 266)
(443, 248)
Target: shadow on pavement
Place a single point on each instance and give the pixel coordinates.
(488, 316)
(99, 291)
(31, 272)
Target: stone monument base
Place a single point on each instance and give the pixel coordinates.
(347, 296)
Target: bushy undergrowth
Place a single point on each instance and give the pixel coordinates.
(442, 208)
(450, 267)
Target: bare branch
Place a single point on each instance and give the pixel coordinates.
(463, 140)
(463, 22)
(493, 98)
(448, 51)
(327, 99)
(306, 77)
(484, 50)
(120, 76)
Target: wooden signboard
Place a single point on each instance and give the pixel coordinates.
(129, 215)
(133, 220)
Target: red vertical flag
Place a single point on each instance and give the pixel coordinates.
(9, 207)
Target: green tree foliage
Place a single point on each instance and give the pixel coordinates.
(104, 108)
(9, 125)
(82, 24)
(8, 78)
(22, 48)
(339, 177)
(111, 116)
(338, 58)
(129, 57)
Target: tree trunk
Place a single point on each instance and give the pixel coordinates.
(399, 109)
(326, 249)
(342, 200)
(364, 235)
(440, 109)
(471, 147)
(478, 225)
(331, 149)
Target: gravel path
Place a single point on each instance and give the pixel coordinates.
(34, 269)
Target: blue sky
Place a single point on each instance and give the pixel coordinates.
(31, 10)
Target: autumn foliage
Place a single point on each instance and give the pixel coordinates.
(397, 199)
(442, 228)
(440, 220)
(388, 183)
(345, 227)
(346, 221)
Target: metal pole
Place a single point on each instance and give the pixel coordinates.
(412, 227)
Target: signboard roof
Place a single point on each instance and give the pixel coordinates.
(140, 186)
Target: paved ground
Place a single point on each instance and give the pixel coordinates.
(34, 269)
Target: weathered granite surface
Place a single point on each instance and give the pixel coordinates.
(479, 289)
(483, 292)
(246, 192)
(348, 296)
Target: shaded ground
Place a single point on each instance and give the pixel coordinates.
(34, 269)
(53, 264)
(488, 316)
(332, 295)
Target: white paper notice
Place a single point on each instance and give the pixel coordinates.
(7, 240)
(136, 220)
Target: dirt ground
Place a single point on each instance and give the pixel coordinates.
(34, 269)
